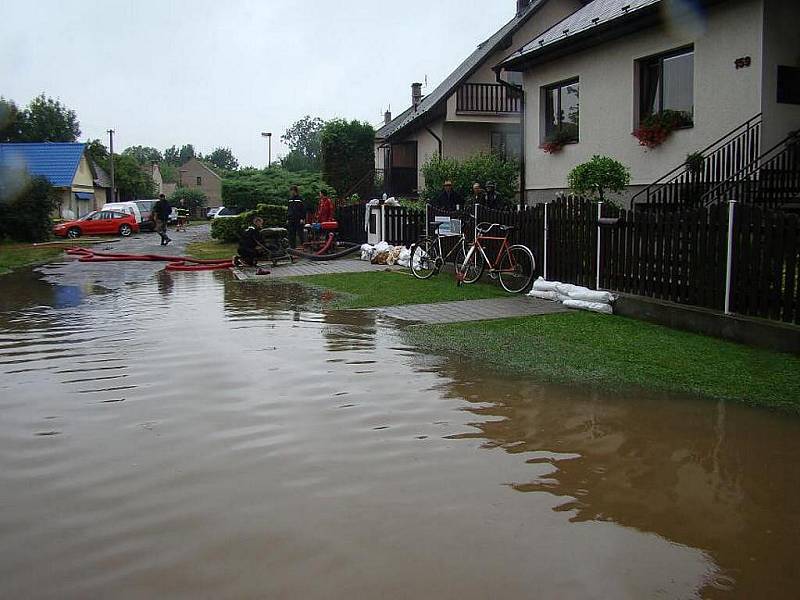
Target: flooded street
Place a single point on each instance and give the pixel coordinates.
(190, 436)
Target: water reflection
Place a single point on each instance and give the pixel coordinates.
(695, 472)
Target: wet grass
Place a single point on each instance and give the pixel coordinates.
(593, 349)
(393, 288)
(14, 255)
(211, 249)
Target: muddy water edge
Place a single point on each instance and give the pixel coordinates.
(188, 435)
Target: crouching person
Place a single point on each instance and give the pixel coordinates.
(250, 246)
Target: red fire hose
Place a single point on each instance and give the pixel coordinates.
(174, 263)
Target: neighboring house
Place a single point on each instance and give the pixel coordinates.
(731, 67)
(470, 111)
(82, 185)
(168, 189)
(195, 174)
(154, 171)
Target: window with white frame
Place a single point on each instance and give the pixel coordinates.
(562, 111)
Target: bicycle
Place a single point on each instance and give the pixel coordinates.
(514, 265)
(427, 256)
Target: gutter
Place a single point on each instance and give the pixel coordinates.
(517, 90)
(436, 137)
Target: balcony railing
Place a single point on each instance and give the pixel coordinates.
(487, 98)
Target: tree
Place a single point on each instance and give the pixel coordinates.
(194, 198)
(97, 151)
(223, 159)
(248, 188)
(144, 155)
(26, 216)
(129, 178)
(169, 172)
(599, 175)
(348, 156)
(47, 120)
(186, 153)
(10, 121)
(303, 139)
(172, 156)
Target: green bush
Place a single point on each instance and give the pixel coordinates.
(194, 197)
(481, 167)
(230, 229)
(348, 156)
(248, 188)
(26, 216)
(599, 175)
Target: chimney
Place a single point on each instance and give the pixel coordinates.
(522, 5)
(387, 117)
(416, 94)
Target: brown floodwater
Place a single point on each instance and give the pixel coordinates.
(190, 436)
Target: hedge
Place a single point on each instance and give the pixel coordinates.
(248, 188)
(230, 229)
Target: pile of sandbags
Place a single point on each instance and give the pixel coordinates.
(383, 253)
(573, 296)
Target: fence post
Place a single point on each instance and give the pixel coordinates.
(475, 216)
(544, 270)
(729, 266)
(599, 215)
(383, 223)
(427, 219)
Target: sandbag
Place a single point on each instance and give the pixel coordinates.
(598, 307)
(593, 296)
(551, 296)
(566, 288)
(542, 285)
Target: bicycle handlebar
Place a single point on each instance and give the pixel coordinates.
(487, 227)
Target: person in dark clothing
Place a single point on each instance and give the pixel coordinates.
(449, 198)
(296, 216)
(491, 198)
(161, 212)
(250, 246)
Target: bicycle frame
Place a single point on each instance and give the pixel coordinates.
(504, 250)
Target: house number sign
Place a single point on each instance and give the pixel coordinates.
(743, 62)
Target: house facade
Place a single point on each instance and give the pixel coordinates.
(81, 184)
(195, 174)
(470, 111)
(730, 69)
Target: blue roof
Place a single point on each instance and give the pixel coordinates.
(57, 161)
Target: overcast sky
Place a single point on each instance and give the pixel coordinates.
(217, 73)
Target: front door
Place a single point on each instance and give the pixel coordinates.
(403, 170)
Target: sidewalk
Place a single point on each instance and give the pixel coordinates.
(472, 310)
(301, 268)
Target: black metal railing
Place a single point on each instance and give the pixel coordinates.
(772, 180)
(686, 184)
(487, 98)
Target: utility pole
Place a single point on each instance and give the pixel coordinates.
(111, 162)
(269, 147)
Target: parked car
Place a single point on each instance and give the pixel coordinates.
(146, 209)
(223, 212)
(97, 223)
(212, 211)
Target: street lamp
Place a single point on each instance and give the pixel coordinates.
(269, 146)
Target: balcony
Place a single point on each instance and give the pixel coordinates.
(487, 99)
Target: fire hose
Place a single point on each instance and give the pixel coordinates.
(174, 263)
(322, 254)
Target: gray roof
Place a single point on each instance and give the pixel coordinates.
(101, 177)
(464, 70)
(596, 14)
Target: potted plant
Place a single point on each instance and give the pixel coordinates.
(599, 175)
(656, 128)
(694, 163)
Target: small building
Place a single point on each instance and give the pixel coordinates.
(154, 171)
(83, 186)
(730, 70)
(195, 174)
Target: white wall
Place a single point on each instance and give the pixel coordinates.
(724, 97)
(781, 47)
(427, 146)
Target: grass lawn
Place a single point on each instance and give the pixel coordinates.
(392, 288)
(611, 351)
(13, 255)
(211, 249)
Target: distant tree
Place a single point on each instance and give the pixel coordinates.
(47, 120)
(194, 197)
(348, 156)
(129, 178)
(143, 154)
(169, 172)
(223, 158)
(303, 139)
(172, 156)
(10, 121)
(186, 153)
(97, 150)
(26, 217)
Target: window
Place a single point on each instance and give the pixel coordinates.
(562, 111)
(507, 145)
(199, 181)
(666, 82)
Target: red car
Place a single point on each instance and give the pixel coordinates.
(98, 222)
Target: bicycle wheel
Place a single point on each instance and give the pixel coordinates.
(472, 271)
(516, 269)
(424, 258)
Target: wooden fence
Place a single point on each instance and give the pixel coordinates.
(678, 256)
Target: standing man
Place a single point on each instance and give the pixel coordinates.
(296, 216)
(449, 198)
(161, 212)
(492, 199)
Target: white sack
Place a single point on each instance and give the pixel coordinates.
(552, 296)
(382, 247)
(404, 260)
(566, 288)
(542, 285)
(367, 251)
(593, 296)
(592, 306)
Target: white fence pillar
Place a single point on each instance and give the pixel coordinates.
(383, 223)
(599, 216)
(475, 216)
(544, 266)
(427, 218)
(729, 265)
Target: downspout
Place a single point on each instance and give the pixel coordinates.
(436, 137)
(517, 90)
